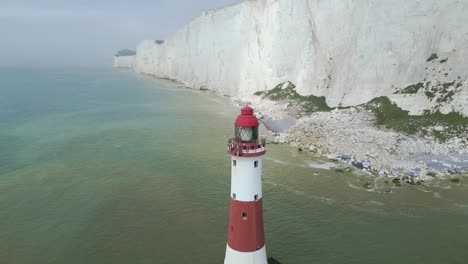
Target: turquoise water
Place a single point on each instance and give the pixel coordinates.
(107, 166)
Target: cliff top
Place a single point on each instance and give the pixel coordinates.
(125, 52)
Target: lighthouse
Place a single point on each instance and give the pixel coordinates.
(246, 240)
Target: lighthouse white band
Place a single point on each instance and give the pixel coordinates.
(236, 257)
(246, 178)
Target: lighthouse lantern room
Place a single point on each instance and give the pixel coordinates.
(246, 240)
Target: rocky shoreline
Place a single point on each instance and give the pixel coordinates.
(351, 136)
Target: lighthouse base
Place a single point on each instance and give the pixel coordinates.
(236, 257)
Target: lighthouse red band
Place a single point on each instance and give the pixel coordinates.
(246, 239)
(246, 233)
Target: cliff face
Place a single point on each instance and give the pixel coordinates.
(124, 61)
(413, 51)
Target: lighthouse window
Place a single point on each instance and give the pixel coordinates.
(234, 163)
(246, 134)
(256, 164)
(256, 197)
(234, 196)
(244, 216)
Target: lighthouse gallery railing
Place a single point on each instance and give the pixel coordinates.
(246, 148)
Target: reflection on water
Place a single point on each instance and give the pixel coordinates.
(110, 167)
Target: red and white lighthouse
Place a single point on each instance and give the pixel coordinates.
(246, 240)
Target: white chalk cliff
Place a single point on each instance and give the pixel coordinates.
(124, 61)
(349, 51)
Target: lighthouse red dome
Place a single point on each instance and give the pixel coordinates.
(247, 118)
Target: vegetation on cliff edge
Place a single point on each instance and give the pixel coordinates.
(125, 52)
(389, 115)
(287, 92)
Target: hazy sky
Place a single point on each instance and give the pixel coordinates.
(87, 32)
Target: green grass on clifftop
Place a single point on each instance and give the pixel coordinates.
(125, 52)
(393, 117)
(287, 92)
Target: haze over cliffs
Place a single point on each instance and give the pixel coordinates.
(412, 51)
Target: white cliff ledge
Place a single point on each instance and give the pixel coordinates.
(348, 51)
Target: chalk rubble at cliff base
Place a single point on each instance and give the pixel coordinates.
(352, 136)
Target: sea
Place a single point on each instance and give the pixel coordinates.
(108, 166)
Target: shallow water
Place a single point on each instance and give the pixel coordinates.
(111, 167)
(440, 162)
